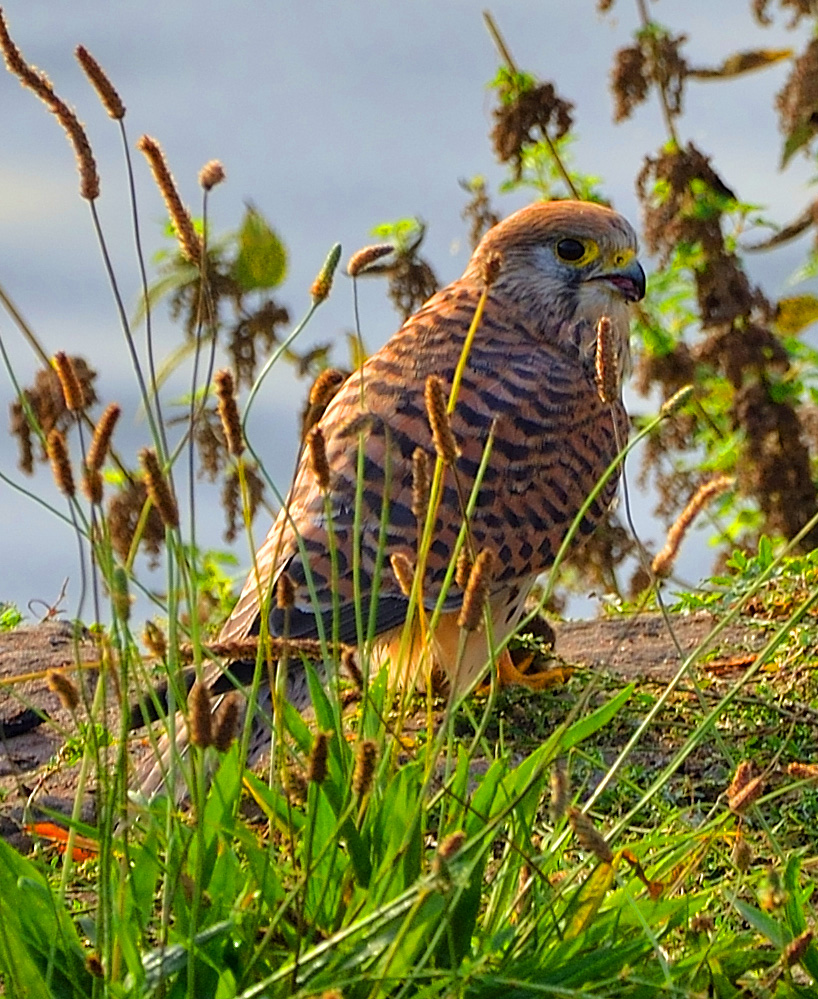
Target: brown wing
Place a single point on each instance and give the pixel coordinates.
(553, 439)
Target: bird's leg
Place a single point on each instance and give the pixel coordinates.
(510, 673)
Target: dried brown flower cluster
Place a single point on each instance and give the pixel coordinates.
(46, 399)
(124, 511)
(654, 60)
(478, 211)
(797, 9)
(797, 102)
(738, 343)
(522, 111)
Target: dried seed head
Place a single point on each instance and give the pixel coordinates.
(322, 285)
(491, 267)
(439, 421)
(702, 922)
(589, 837)
(350, 665)
(796, 949)
(560, 790)
(464, 566)
(451, 845)
(420, 485)
(677, 400)
(317, 766)
(663, 562)
(190, 242)
(477, 590)
(229, 412)
(285, 591)
(63, 686)
(226, 721)
(803, 771)
(607, 364)
(101, 441)
(40, 84)
(364, 258)
(120, 597)
(211, 174)
(106, 92)
(92, 485)
(155, 640)
(317, 447)
(404, 571)
(69, 382)
(325, 387)
(364, 771)
(158, 488)
(741, 796)
(200, 716)
(60, 465)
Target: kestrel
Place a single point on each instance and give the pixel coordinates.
(553, 270)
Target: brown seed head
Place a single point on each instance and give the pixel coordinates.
(364, 771)
(325, 387)
(589, 837)
(317, 766)
(491, 267)
(797, 948)
(106, 92)
(364, 258)
(101, 441)
(158, 488)
(190, 242)
(420, 485)
(322, 285)
(60, 465)
(663, 562)
(677, 400)
(63, 686)
(229, 412)
(211, 174)
(803, 771)
(607, 366)
(317, 448)
(477, 590)
(439, 421)
(451, 845)
(743, 798)
(464, 566)
(40, 84)
(404, 571)
(285, 591)
(155, 640)
(226, 721)
(92, 485)
(200, 716)
(70, 384)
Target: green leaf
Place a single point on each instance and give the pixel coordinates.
(262, 259)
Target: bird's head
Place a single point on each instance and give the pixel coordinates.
(568, 261)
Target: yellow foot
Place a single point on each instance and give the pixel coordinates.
(511, 674)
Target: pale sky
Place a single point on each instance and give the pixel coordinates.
(330, 118)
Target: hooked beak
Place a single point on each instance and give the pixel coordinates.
(628, 280)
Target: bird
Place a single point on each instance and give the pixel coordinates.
(528, 387)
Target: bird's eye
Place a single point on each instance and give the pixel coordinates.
(571, 250)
